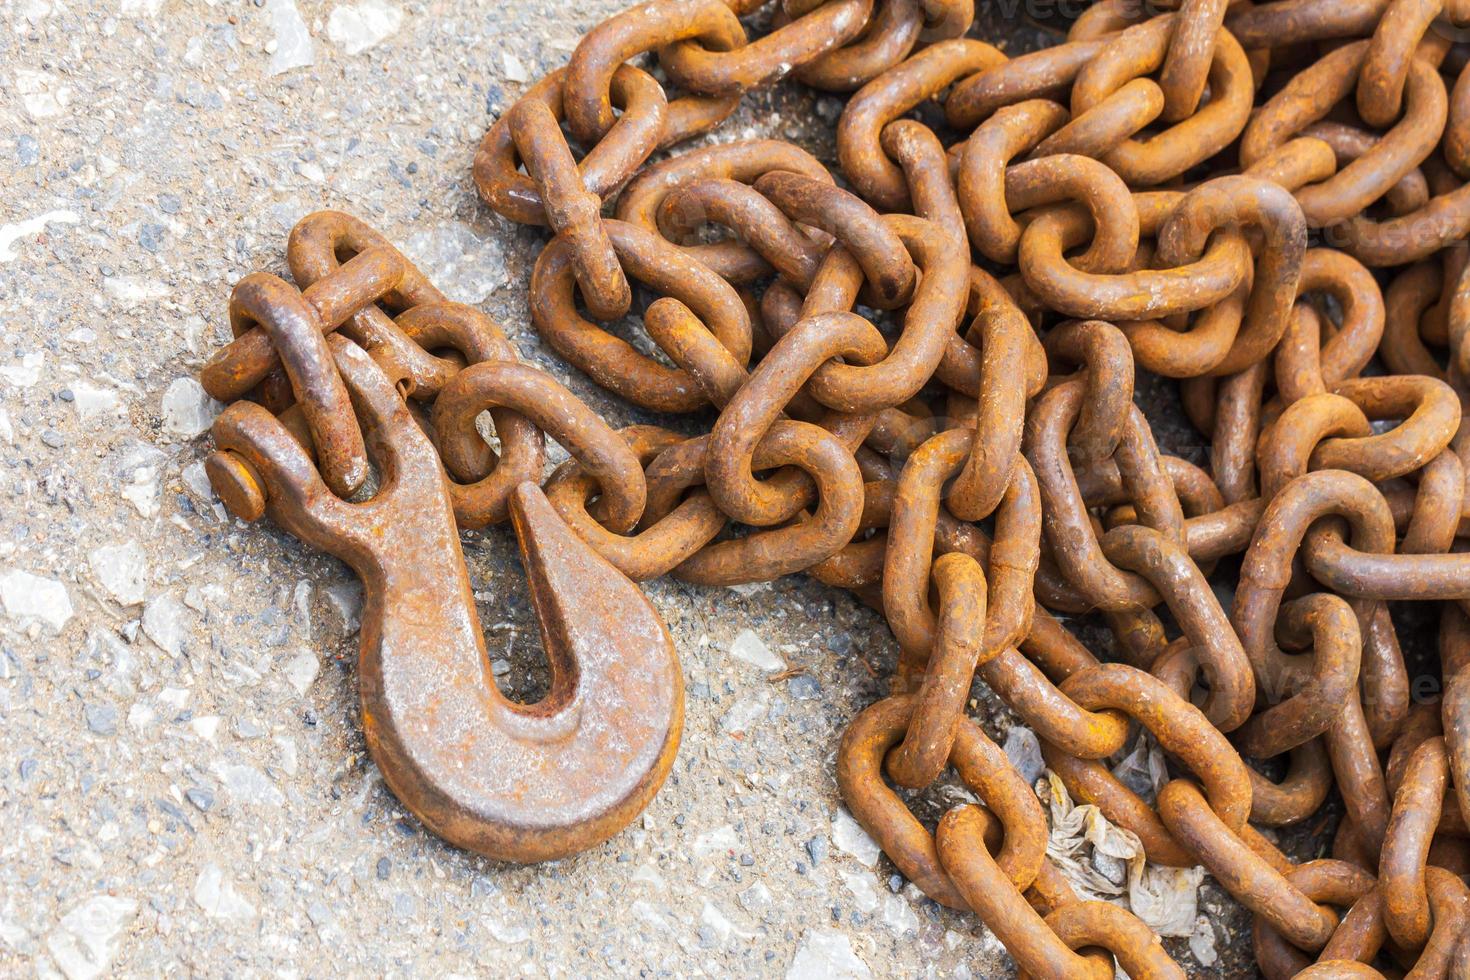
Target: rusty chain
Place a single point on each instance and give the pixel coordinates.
(922, 387)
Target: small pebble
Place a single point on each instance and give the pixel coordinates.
(150, 236)
(804, 687)
(101, 718)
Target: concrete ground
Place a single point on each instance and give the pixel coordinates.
(184, 788)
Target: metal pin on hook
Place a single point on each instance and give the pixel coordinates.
(515, 782)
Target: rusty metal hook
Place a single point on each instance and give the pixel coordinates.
(515, 782)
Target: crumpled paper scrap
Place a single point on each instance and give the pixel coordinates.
(1106, 862)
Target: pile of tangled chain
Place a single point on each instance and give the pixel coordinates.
(922, 386)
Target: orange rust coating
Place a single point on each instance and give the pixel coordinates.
(957, 444)
(516, 782)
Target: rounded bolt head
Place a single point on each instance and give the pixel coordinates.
(236, 483)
